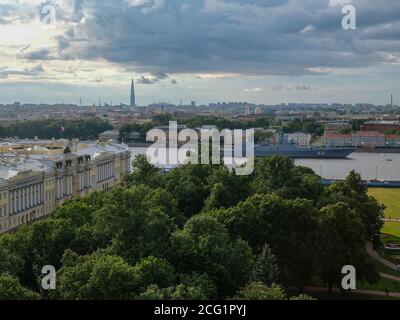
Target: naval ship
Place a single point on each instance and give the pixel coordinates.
(291, 150)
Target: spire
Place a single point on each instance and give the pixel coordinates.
(133, 100)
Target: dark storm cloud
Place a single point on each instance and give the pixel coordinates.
(144, 80)
(43, 54)
(155, 77)
(233, 36)
(34, 71)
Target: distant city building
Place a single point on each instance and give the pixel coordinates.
(336, 127)
(259, 110)
(109, 135)
(368, 139)
(361, 139)
(35, 180)
(299, 138)
(337, 140)
(381, 126)
(133, 98)
(133, 135)
(393, 140)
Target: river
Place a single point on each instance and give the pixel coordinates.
(370, 165)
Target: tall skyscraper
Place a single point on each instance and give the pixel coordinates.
(133, 100)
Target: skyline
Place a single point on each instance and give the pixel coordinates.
(133, 98)
(211, 50)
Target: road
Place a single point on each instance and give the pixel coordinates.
(366, 292)
(372, 253)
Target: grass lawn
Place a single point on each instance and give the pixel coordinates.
(392, 228)
(384, 269)
(390, 198)
(381, 285)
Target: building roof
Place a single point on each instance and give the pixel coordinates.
(108, 132)
(12, 164)
(338, 136)
(387, 122)
(368, 133)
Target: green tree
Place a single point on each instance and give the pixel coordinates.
(226, 188)
(95, 277)
(259, 291)
(135, 225)
(280, 175)
(354, 193)
(153, 293)
(144, 173)
(341, 243)
(266, 268)
(51, 128)
(288, 226)
(204, 246)
(154, 271)
(11, 289)
(189, 186)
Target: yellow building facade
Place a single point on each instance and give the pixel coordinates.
(32, 186)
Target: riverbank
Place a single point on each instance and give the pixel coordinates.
(379, 150)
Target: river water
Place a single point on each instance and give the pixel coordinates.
(370, 165)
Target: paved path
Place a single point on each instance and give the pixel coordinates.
(366, 292)
(389, 277)
(372, 253)
(391, 219)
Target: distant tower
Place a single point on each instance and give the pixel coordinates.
(133, 100)
(391, 103)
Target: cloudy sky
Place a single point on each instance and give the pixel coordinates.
(262, 51)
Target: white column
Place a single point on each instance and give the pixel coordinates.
(34, 195)
(19, 200)
(15, 201)
(40, 193)
(37, 194)
(25, 201)
(12, 202)
(22, 199)
(29, 197)
(25, 198)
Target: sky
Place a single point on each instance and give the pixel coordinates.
(260, 51)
